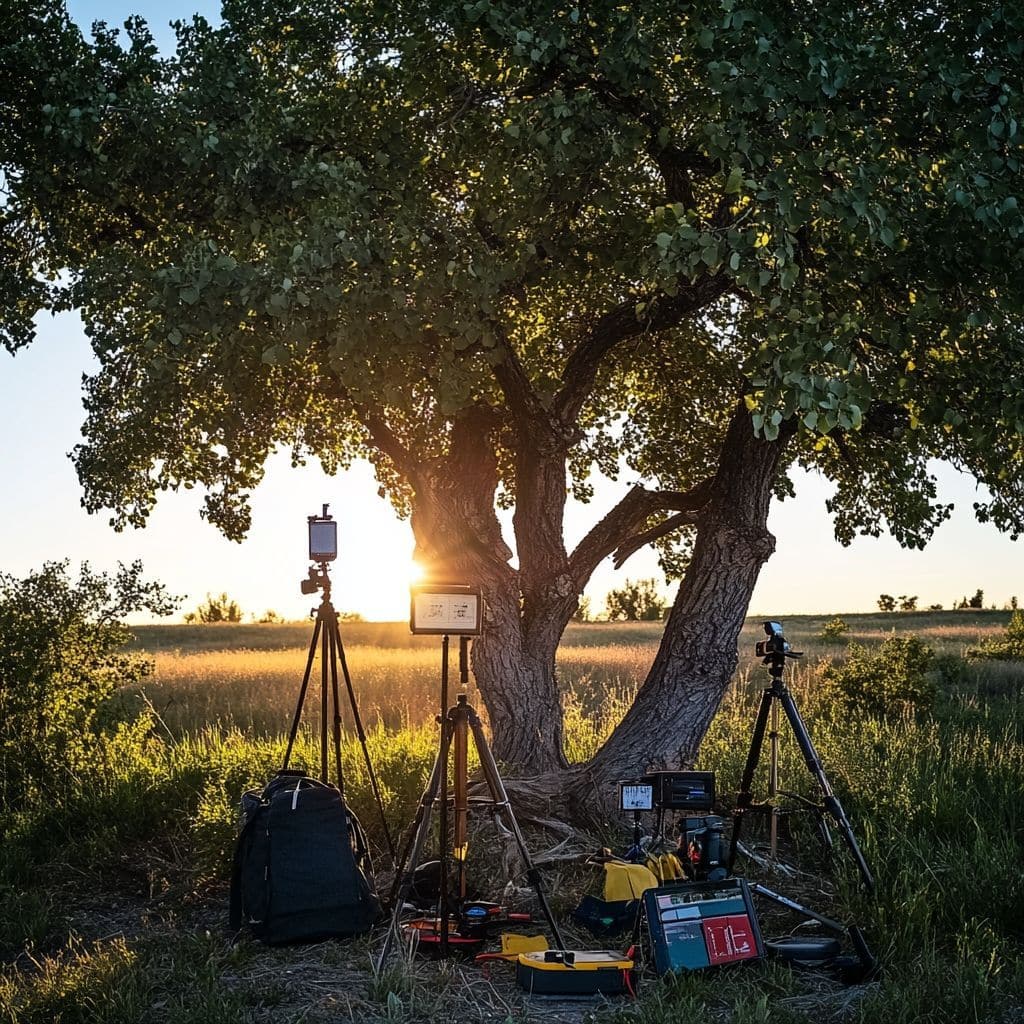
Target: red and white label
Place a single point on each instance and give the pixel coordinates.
(729, 938)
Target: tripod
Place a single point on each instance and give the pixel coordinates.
(457, 724)
(327, 632)
(774, 695)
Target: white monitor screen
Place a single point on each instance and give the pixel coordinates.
(323, 541)
(455, 611)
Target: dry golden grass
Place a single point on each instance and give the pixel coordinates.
(257, 690)
(248, 677)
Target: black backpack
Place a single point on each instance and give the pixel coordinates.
(302, 867)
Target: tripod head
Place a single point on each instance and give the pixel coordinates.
(774, 651)
(317, 579)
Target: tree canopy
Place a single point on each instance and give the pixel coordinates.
(480, 242)
(402, 210)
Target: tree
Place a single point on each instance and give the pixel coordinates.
(886, 603)
(492, 246)
(978, 600)
(582, 613)
(637, 601)
(908, 602)
(216, 609)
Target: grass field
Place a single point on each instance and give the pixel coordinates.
(112, 893)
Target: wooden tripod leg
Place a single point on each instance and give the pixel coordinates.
(503, 806)
(460, 745)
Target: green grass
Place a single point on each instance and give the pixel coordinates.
(112, 897)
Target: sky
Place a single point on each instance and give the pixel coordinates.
(41, 518)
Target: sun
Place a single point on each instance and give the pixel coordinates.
(373, 576)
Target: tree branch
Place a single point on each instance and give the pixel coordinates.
(380, 433)
(620, 324)
(677, 168)
(663, 529)
(619, 526)
(530, 416)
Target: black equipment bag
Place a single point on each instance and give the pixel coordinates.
(302, 867)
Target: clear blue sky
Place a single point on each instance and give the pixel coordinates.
(40, 416)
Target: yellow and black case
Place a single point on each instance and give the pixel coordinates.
(564, 972)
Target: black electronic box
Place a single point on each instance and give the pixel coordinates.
(682, 791)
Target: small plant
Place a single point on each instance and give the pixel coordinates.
(1008, 647)
(833, 630)
(897, 677)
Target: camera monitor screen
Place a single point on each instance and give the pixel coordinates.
(444, 608)
(323, 540)
(636, 796)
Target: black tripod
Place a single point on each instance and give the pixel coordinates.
(776, 651)
(457, 723)
(327, 632)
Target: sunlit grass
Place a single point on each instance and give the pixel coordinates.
(935, 798)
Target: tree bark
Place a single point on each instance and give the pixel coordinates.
(698, 652)
(458, 539)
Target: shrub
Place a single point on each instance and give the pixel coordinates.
(1008, 647)
(886, 603)
(61, 663)
(893, 678)
(637, 601)
(216, 609)
(833, 630)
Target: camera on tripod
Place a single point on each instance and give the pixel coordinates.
(323, 548)
(775, 644)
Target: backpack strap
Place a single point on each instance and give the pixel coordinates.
(235, 902)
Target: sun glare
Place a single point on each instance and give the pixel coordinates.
(373, 578)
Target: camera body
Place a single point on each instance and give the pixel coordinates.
(776, 643)
(702, 846)
(315, 580)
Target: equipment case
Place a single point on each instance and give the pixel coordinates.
(557, 972)
(694, 925)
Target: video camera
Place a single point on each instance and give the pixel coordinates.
(776, 642)
(323, 548)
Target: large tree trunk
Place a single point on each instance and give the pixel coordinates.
(698, 652)
(458, 537)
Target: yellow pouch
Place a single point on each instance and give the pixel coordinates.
(627, 881)
(513, 944)
(671, 869)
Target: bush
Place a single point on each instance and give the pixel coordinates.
(61, 663)
(216, 609)
(1008, 647)
(637, 601)
(886, 603)
(893, 678)
(833, 630)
